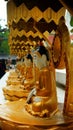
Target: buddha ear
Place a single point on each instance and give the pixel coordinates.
(44, 59)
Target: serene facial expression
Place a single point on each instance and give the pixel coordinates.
(27, 62)
(37, 59)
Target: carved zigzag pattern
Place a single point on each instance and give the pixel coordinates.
(22, 12)
(24, 39)
(29, 20)
(41, 4)
(22, 31)
(42, 25)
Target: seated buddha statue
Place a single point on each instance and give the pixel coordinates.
(42, 99)
(28, 79)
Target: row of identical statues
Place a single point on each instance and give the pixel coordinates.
(31, 87)
(30, 91)
(34, 81)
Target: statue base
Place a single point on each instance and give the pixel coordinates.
(14, 116)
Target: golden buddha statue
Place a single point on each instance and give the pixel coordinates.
(42, 100)
(28, 79)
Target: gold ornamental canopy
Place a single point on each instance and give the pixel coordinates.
(29, 21)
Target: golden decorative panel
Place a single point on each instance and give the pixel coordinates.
(29, 23)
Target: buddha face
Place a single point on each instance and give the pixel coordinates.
(38, 60)
(28, 62)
